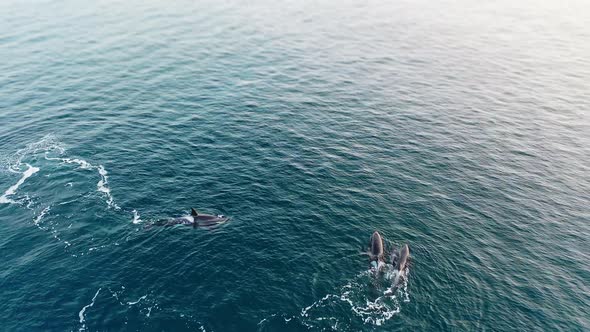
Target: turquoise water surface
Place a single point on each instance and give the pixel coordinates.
(459, 127)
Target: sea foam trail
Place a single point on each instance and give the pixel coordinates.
(136, 302)
(13, 162)
(50, 145)
(102, 185)
(12, 190)
(81, 313)
(38, 219)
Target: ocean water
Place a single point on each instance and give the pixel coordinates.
(459, 127)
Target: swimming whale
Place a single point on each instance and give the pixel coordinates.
(402, 259)
(399, 260)
(376, 254)
(205, 220)
(195, 219)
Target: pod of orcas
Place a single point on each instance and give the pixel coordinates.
(195, 220)
(399, 259)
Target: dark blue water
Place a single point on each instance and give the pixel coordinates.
(461, 128)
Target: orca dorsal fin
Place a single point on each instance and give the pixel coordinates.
(194, 212)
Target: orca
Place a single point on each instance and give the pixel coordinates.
(195, 220)
(206, 220)
(376, 253)
(402, 259)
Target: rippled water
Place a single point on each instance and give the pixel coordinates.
(459, 127)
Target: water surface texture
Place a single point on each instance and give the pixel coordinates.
(459, 127)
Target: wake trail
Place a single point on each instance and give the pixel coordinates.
(12, 190)
(43, 155)
(83, 311)
(102, 185)
(355, 297)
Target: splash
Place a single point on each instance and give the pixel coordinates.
(387, 302)
(370, 300)
(136, 217)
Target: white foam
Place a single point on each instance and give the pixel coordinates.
(49, 144)
(266, 319)
(13, 163)
(149, 312)
(102, 186)
(81, 313)
(41, 215)
(371, 311)
(136, 217)
(12, 190)
(138, 300)
(82, 163)
(315, 304)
